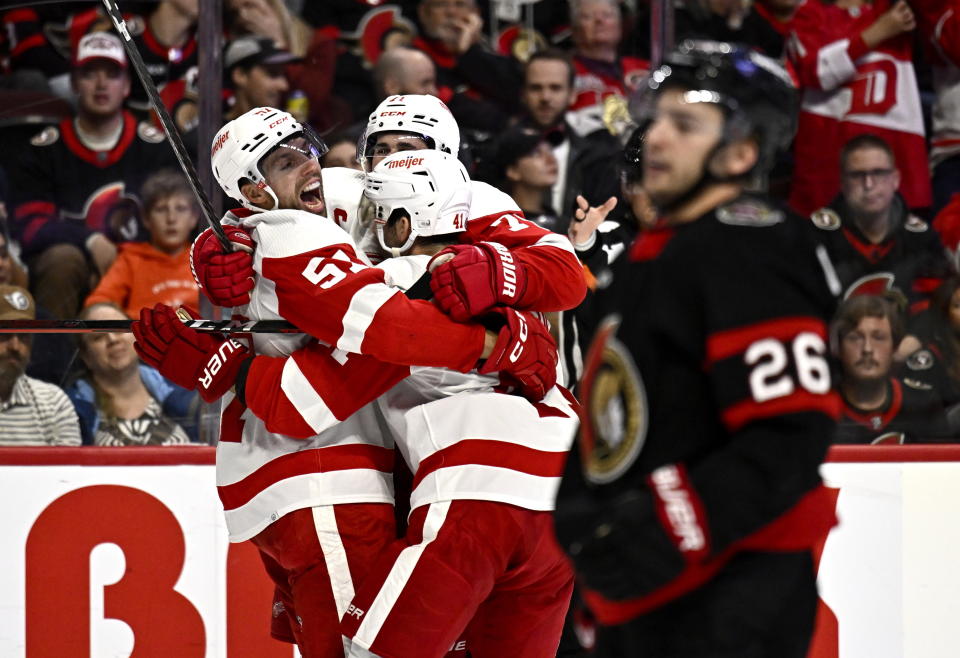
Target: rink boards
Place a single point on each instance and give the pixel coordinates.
(112, 552)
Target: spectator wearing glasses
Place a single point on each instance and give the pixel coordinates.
(869, 232)
(878, 407)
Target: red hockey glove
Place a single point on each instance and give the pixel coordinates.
(476, 279)
(525, 354)
(188, 358)
(225, 278)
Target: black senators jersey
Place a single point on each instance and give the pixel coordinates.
(912, 414)
(912, 255)
(710, 408)
(64, 191)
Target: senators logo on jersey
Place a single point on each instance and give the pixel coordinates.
(615, 412)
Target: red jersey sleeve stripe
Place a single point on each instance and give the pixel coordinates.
(321, 460)
(746, 411)
(724, 344)
(479, 452)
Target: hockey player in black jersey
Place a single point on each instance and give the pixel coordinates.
(693, 504)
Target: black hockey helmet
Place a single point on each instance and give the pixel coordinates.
(631, 165)
(757, 94)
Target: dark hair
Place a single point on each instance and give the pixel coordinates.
(854, 309)
(945, 335)
(163, 185)
(865, 141)
(551, 54)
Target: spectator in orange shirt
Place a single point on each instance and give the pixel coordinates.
(146, 273)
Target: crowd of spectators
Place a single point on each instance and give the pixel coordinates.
(97, 219)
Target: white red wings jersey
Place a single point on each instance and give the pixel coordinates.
(338, 456)
(849, 90)
(464, 441)
(939, 23)
(555, 278)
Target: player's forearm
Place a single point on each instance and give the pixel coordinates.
(555, 280)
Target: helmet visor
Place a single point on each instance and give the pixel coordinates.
(294, 151)
(379, 145)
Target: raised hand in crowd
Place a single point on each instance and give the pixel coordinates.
(464, 32)
(258, 17)
(891, 23)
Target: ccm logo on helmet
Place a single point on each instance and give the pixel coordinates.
(279, 121)
(407, 163)
(221, 140)
(392, 113)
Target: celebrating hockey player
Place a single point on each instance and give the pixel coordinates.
(319, 510)
(549, 276)
(479, 561)
(693, 504)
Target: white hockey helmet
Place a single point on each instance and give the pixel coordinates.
(421, 115)
(431, 187)
(241, 145)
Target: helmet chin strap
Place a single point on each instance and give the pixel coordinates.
(395, 252)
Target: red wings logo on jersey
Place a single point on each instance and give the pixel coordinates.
(874, 89)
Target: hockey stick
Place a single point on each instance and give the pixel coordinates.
(166, 121)
(110, 326)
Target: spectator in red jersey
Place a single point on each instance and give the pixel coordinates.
(939, 23)
(75, 187)
(854, 63)
(947, 226)
(869, 231)
(879, 408)
(158, 271)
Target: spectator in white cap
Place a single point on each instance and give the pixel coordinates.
(32, 412)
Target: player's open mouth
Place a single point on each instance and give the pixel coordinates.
(310, 196)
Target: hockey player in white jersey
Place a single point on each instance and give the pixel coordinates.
(479, 560)
(549, 275)
(318, 507)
